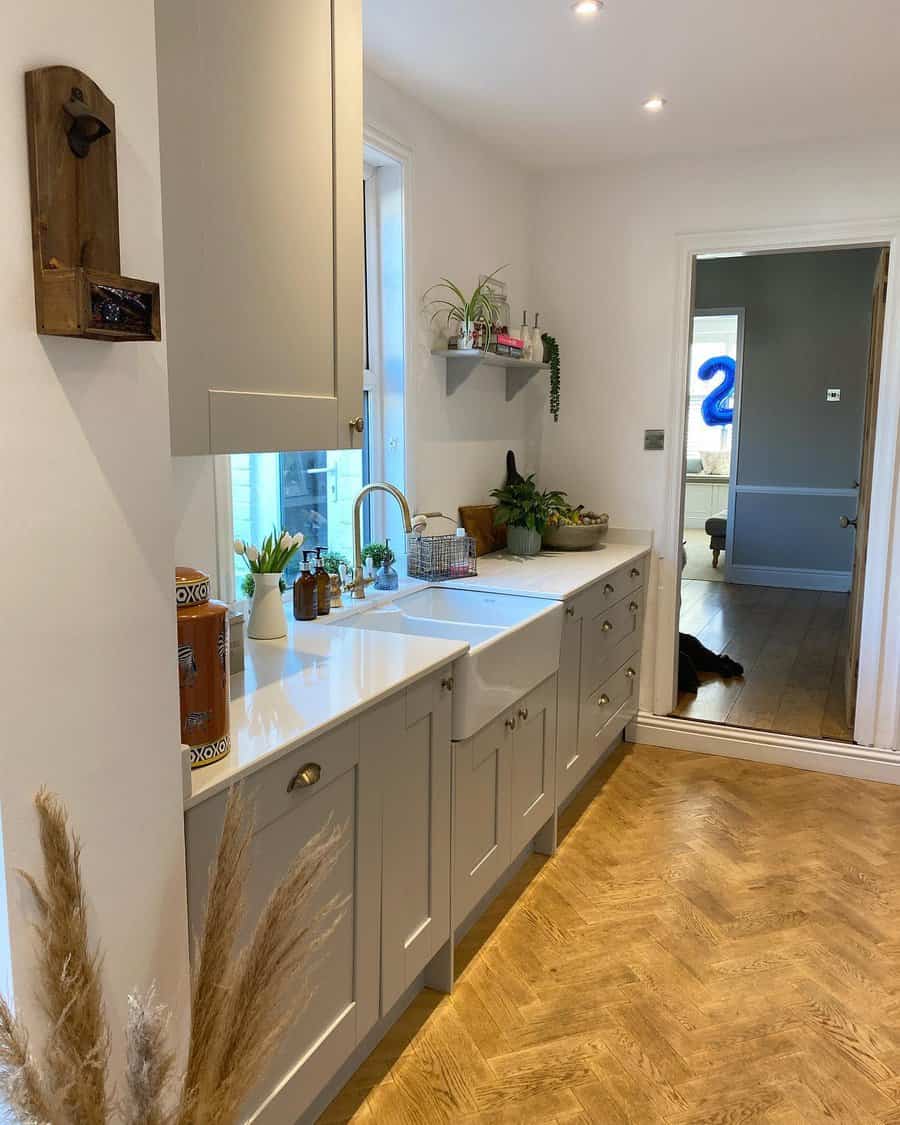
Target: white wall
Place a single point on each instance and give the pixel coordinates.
(469, 213)
(90, 706)
(606, 275)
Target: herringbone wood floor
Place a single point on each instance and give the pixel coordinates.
(715, 941)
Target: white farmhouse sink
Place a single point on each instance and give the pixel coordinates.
(513, 644)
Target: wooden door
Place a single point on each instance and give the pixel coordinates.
(481, 843)
(879, 299)
(414, 732)
(532, 765)
(343, 1005)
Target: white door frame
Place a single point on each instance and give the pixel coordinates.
(740, 313)
(877, 703)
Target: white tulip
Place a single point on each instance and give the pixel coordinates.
(298, 539)
(286, 542)
(252, 554)
(239, 547)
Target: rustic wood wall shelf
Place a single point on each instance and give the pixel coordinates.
(78, 286)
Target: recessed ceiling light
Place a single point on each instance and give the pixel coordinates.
(654, 104)
(587, 7)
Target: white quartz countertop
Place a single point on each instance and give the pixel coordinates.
(294, 689)
(551, 574)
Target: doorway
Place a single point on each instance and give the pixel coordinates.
(780, 418)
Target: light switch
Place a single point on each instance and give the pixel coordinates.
(654, 440)
(833, 394)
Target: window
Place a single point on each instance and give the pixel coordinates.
(714, 335)
(313, 492)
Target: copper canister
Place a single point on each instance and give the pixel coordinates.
(202, 668)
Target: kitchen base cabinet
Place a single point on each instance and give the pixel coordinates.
(599, 672)
(385, 777)
(343, 1004)
(503, 793)
(409, 736)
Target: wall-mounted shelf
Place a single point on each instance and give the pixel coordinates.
(460, 364)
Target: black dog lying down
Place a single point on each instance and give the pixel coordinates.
(694, 657)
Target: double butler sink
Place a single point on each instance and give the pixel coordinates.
(513, 644)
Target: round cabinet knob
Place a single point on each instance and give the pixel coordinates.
(607, 589)
(635, 573)
(357, 425)
(510, 724)
(606, 627)
(447, 684)
(630, 673)
(523, 714)
(305, 777)
(847, 522)
(603, 700)
(634, 607)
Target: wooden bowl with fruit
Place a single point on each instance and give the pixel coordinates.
(574, 529)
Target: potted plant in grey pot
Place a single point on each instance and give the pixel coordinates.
(525, 511)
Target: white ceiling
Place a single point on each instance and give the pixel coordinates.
(531, 78)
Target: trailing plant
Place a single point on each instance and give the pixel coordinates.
(242, 1001)
(521, 504)
(553, 347)
(481, 307)
(273, 556)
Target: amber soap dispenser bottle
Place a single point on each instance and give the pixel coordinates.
(323, 585)
(306, 600)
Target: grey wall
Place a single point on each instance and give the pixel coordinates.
(806, 328)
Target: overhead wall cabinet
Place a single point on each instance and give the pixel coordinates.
(262, 151)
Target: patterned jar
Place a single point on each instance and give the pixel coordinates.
(202, 668)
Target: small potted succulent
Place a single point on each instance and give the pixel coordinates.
(267, 563)
(474, 316)
(525, 511)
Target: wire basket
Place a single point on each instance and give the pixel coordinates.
(436, 558)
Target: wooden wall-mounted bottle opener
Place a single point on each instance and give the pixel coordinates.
(78, 286)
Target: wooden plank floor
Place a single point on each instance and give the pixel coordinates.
(715, 941)
(793, 645)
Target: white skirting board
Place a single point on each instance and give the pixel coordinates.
(819, 755)
(789, 579)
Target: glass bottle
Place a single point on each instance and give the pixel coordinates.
(387, 578)
(306, 599)
(323, 586)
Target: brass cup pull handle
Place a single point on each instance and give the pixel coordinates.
(634, 607)
(847, 522)
(510, 724)
(606, 627)
(635, 573)
(630, 673)
(305, 777)
(357, 425)
(447, 683)
(607, 589)
(570, 611)
(523, 714)
(603, 701)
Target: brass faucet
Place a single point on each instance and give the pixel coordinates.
(358, 586)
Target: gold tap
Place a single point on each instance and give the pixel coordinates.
(358, 586)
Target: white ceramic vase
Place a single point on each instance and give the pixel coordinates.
(267, 621)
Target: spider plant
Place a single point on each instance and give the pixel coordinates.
(481, 307)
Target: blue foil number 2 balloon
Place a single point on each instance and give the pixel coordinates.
(714, 409)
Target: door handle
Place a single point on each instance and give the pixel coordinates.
(606, 627)
(510, 724)
(523, 714)
(847, 522)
